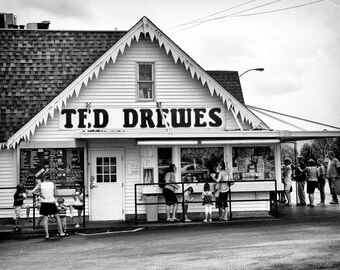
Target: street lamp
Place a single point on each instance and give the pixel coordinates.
(256, 69)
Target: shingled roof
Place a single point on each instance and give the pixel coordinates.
(36, 66)
(229, 80)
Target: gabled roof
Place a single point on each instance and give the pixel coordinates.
(36, 66)
(41, 70)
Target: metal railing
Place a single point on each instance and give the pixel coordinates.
(34, 207)
(230, 200)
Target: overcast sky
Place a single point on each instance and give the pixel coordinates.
(299, 48)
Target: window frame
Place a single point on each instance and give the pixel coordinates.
(153, 81)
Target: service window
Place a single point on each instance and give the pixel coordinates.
(253, 163)
(164, 160)
(198, 162)
(145, 81)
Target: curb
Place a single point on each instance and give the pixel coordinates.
(110, 232)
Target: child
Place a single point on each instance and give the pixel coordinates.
(37, 203)
(207, 198)
(78, 204)
(19, 197)
(62, 213)
(187, 199)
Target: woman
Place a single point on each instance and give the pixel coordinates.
(48, 191)
(223, 189)
(321, 173)
(312, 181)
(287, 179)
(169, 193)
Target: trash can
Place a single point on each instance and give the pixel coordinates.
(152, 209)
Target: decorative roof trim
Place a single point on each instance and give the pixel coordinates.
(147, 27)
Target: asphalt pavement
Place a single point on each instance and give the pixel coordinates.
(295, 214)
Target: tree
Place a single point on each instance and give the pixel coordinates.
(287, 151)
(307, 151)
(319, 148)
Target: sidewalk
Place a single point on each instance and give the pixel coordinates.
(294, 214)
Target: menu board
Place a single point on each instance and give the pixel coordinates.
(65, 165)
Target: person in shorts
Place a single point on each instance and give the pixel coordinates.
(287, 179)
(62, 208)
(78, 197)
(19, 197)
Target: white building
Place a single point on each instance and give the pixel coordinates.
(114, 109)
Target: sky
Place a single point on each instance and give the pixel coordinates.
(299, 48)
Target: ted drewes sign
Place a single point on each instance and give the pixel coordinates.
(128, 118)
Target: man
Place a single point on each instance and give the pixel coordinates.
(300, 176)
(333, 168)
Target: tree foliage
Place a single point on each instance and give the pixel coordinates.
(287, 151)
(318, 148)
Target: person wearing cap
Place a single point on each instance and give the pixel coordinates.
(312, 181)
(287, 179)
(333, 168)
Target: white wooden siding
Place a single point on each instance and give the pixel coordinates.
(116, 87)
(7, 179)
(7, 168)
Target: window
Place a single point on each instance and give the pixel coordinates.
(106, 169)
(198, 162)
(164, 160)
(253, 163)
(145, 81)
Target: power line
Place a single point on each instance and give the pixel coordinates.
(199, 22)
(236, 14)
(278, 10)
(213, 14)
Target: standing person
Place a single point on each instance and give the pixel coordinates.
(223, 189)
(300, 176)
(321, 181)
(62, 208)
(19, 197)
(169, 193)
(207, 198)
(47, 190)
(187, 199)
(333, 167)
(78, 204)
(287, 179)
(37, 203)
(312, 181)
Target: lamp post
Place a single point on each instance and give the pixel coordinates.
(256, 69)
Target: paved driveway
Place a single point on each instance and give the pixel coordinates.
(276, 244)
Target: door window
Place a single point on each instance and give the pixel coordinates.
(106, 169)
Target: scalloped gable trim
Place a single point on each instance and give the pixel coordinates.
(144, 26)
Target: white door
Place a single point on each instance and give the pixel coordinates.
(106, 184)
